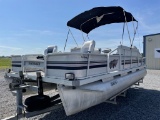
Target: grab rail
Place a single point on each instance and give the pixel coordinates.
(122, 61)
(122, 58)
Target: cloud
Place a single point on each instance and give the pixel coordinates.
(148, 21)
(11, 48)
(7, 50)
(21, 34)
(43, 32)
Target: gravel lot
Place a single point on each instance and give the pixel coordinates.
(141, 103)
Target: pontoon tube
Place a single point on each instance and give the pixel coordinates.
(83, 97)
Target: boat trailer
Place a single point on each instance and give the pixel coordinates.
(20, 87)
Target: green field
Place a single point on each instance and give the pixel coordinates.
(5, 63)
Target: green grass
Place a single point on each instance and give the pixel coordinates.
(5, 63)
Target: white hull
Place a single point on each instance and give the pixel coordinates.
(83, 97)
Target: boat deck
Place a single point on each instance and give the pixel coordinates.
(104, 77)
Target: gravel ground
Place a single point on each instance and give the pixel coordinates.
(141, 103)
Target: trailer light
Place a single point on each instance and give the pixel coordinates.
(70, 76)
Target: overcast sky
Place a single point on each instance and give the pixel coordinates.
(29, 26)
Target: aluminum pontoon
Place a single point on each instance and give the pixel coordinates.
(85, 76)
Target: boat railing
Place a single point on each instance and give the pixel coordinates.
(122, 57)
(113, 51)
(122, 61)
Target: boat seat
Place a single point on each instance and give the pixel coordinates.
(97, 51)
(76, 49)
(50, 49)
(107, 50)
(88, 47)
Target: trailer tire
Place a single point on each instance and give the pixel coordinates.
(38, 102)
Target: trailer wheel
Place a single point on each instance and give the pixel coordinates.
(38, 102)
